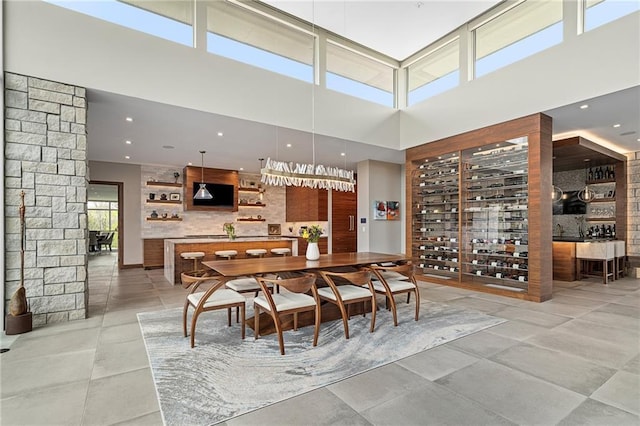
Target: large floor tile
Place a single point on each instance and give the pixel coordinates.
(611, 319)
(435, 405)
(483, 344)
(319, 407)
(594, 413)
(516, 330)
(568, 371)
(541, 319)
(58, 405)
(486, 306)
(592, 295)
(152, 419)
(54, 343)
(633, 366)
(120, 333)
(25, 376)
(369, 389)
(119, 357)
(622, 336)
(437, 362)
(604, 353)
(621, 391)
(119, 398)
(615, 308)
(512, 394)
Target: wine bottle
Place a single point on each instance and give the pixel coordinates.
(603, 231)
(613, 172)
(590, 175)
(613, 231)
(607, 173)
(608, 231)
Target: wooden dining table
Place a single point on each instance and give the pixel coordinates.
(272, 265)
(230, 269)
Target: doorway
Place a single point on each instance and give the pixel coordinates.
(105, 219)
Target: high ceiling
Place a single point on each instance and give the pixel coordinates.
(396, 28)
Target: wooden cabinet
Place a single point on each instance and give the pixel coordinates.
(306, 204)
(564, 261)
(344, 208)
(153, 253)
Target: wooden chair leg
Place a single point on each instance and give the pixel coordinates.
(229, 317)
(243, 319)
(417, 304)
(316, 330)
(373, 313)
(393, 310)
(184, 317)
(194, 320)
(408, 296)
(345, 322)
(256, 321)
(276, 321)
(295, 321)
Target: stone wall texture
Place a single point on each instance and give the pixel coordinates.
(46, 157)
(633, 207)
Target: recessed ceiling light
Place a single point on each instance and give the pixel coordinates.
(127, 142)
(587, 159)
(168, 146)
(616, 125)
(585, 106)
(220, 134)
(241, 168)
(129, 119)
(189, 163)
(127, 157)
(288, 145)
(342, 154)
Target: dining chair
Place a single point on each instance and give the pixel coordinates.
(359, 289)
(394, 280)
(214, 298)
(291, 302)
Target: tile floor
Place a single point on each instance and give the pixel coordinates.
(573, 360)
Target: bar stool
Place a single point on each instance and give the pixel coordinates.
(620, 255)
(228, 254)
(256, 252)
(195, 255)
(591, 255)
(281, 251)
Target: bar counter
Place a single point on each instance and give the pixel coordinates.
(174, 265)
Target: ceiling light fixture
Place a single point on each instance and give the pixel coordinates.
(616, 125)
(127, 142)
(127, 157)
(280, 173)
(129, 119)
(585, 106)
(220, 134)
(203, 193)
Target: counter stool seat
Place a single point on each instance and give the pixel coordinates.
(281, 251)
(226, 253)
(195, 255)
(256, 252)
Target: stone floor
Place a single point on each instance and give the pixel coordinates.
(572, 360)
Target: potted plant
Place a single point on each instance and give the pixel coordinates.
(230, 230)
(312, 235)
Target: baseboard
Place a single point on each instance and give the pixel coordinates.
(132, 266)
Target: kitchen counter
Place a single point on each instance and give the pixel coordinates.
(174, 265)
(581, 239)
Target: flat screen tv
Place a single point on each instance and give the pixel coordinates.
(571, 204)
(222, 195)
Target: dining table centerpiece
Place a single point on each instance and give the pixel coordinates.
(230, 230)
(312, 235)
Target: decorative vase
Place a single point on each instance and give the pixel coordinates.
(154, 214)
(313, 252)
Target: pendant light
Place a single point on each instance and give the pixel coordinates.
(203, 193)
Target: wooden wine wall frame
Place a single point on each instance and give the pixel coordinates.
(538, 129)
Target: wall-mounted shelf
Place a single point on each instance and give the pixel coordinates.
(245, 219)
(165, 219)
(251, 205)
(603, 200)
(171, 184)
(249, 189)
(596, 182)
(164, 201)
(600, 219)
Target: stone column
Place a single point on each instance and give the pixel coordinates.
(46, 157)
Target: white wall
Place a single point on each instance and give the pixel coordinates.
(379, 181)
(129, 175)
(600, 61)
(51, 42)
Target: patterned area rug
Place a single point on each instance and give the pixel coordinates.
(224, 376)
